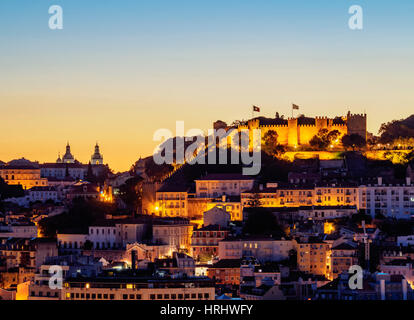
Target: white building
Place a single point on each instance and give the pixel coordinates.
(26, 231)
(61, 171)
(71, 241)
(43, 194)
(390, 200)
(216, 185)
(216, 216)
(106, 236)
(405, 241)
(263, 249)
(399, 267)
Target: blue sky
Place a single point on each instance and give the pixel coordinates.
(136, 66)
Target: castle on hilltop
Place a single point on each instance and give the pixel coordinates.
(299, 131)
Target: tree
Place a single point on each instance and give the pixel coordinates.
(81, 214)
(395, 129)
(261, 221)
(354, 141)
(88, 245)
(271, 145)
(130, 193)
(89, 175)
(270, 141)
(10, 191)
(324, 138)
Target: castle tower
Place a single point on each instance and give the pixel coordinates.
(68, 157)
(97, 158)
(357, 124)
(293, 132)
(59, 159)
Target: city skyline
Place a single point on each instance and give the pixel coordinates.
(118, 72)
(197, 158)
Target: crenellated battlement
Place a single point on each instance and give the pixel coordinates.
(294, 133)
(270, 126)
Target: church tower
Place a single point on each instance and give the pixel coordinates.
(68, 157)
(97, 158)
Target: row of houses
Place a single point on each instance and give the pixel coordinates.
(235, 192)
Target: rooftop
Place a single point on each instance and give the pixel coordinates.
(225, 176)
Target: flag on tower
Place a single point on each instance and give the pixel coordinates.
(256, 109)
(295, 107)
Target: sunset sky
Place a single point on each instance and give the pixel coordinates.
(120, 70)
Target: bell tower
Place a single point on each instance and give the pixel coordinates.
(97, 158)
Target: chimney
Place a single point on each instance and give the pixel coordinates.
(380, 181)
(408, 181)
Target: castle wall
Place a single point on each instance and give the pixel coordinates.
(293, 134)
(306, 133)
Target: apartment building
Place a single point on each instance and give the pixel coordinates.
(291, 195)
(262, 248)
(29, 253)
(138, 288)
(276, 195)
(205, 241)
(314, 257)
(216, 185)
(26, 174)
(225, 271)
(174, 233)
(343, 256)
(394, 200)
(171, 201)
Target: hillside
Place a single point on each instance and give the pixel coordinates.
(395, 129)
